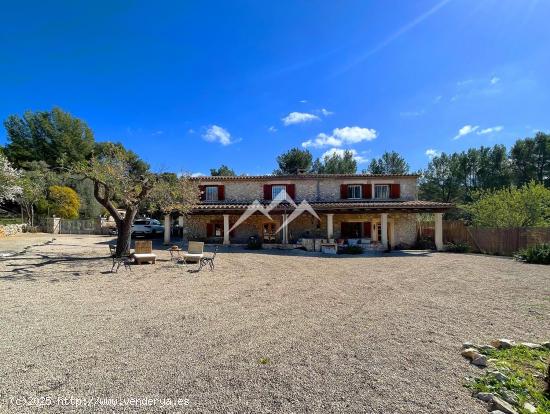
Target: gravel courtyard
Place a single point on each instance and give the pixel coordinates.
(264, 332)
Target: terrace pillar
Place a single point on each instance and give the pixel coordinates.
(438, 218)
(330, 226)
(226, 229)
(285, 229)
(167, 228)
(384, 230)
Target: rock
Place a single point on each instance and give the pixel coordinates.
(502, 343)
(487, 348)
(546, 345)
(496, 412)
(510, 397)
(500, 404)
(529, 407)
(531, 345)
(501, 377)
(467, 345)
(480, 360)
(470, 353)
(484, 396)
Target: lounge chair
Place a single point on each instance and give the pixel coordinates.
(144, 252)
(194, 253)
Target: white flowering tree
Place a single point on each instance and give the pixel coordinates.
(9, 180)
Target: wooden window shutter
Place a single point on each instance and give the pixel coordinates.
(221, 192)
(343, 191)
(395, 190)
(367, 191)
(202, 189)
(209, 229)
(291, 190)
(267, 192)
(367, 229)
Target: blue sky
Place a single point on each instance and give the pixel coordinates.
(192, 85)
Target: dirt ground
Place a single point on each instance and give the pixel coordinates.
(265, 332)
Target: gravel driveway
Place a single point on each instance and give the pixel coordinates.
(264, 332)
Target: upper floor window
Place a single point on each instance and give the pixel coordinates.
(211, 193)
(381, 191)
(276, 190)
(354, 191)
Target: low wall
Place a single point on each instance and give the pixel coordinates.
(11, 229)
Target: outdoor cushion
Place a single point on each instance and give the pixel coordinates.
(145, 257)
(192, 256)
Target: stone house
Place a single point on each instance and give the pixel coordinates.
(378, 209)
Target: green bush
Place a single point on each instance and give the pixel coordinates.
(424, 243)
(538, 254)
(354, 249)
(457, 247)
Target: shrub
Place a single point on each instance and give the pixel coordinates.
(354, 249)
(457, 247)
(64, 202)
(424, 243)
(254, 243)
(538, 254)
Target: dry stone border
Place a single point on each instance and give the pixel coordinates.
(497, 405)
(11, 229)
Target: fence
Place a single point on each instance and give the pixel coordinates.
(489, 240)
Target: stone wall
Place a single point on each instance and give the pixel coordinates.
(322, 189)
(11, 229)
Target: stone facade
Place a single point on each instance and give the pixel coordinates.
(310, 189)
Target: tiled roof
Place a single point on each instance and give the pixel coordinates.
(297, 177)
(328, 205)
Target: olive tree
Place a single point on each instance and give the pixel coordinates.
(122, 181)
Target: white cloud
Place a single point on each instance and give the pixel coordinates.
(495, 80)
(197, 174)
(272, 129)
(216, 133)
(355, 134)
(490, 130)
(341, 136)
(158, 133)
(303, 101)
(298, 118)
(465, 130)
(358, 158)
(431, 153)
(326, 112)
(438, 99)
(190, 131)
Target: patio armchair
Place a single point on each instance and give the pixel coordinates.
(144, 252)
(194, 253)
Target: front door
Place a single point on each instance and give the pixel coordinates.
(269, 232)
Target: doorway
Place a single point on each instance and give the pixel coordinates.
(268, 232)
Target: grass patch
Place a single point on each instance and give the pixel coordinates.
(264, 361)
(524, 370)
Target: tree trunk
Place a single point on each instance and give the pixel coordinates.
(124, 228)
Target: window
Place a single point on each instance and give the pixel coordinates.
(218, 230)
(276, 190)
(354, 191)
(381, 191)
(212, 193)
